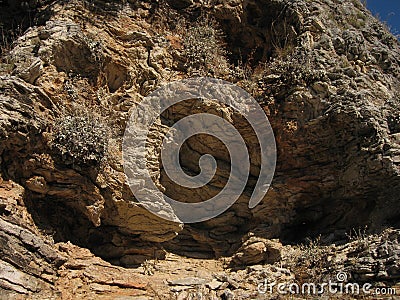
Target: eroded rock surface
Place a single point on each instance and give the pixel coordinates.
(326, 74)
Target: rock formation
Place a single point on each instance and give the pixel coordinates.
(326, 74)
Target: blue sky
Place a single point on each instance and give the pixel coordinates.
(388, 10)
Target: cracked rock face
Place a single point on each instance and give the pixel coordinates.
(61, 193)
(326, 73)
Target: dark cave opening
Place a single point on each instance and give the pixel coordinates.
(266, 28)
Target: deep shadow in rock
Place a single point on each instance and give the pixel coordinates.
(17, 16)
(55, 218)
(64, 223)
(266, 29)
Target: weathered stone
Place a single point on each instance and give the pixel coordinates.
(256, 250)
(188, 281)
(329, 85)
(214, 285)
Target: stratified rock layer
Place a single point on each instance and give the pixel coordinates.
(326, 74)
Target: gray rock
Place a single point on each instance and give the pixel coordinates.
(214, 285)
(188, 281)
(181, 288)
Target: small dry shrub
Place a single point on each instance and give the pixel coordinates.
(310, 262)
(204, 49)
(80, 137)
(360, 237)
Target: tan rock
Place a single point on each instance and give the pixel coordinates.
(258, 250)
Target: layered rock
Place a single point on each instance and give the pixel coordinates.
(56, 67)
(336, 137)
(325, 73)
(33, 266)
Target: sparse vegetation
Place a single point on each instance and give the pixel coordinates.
(295, 69)
(245, 76)
(314, 258)
(80, 137)
(96, 49)
(357, 20)
(361, 237)
(203, 50)
(6, 38)
(6, 65)
(282, 39)
(149, 266)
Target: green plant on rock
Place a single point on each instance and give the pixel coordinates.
(81, 138)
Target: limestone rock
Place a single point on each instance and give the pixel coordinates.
(325, 72)
(374, 258)
(188, 281)
(257, 250)
(214, 285)
(97, 197)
